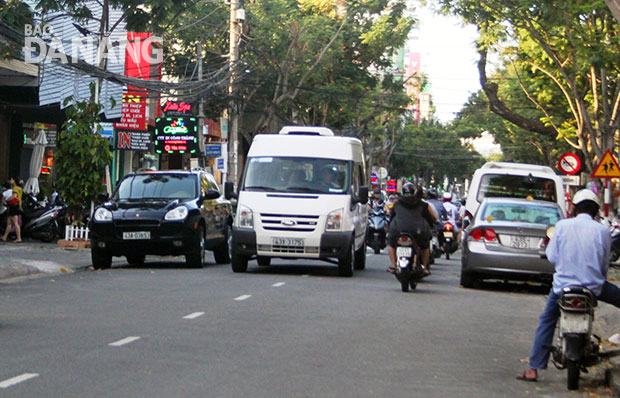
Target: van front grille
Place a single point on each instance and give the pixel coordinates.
(289, 222)
(288, 249)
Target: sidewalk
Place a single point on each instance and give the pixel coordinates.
(606, 324)
(32, 257)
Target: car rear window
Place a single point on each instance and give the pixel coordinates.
(526, 213)
(513, 186)
(157, 186)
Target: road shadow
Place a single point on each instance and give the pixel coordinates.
(163, 262)
(518, 287)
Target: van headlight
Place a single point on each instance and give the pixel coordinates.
(103, 215)
(176, 214)
(246, 217)
(334, 221)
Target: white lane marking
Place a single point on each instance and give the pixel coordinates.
(278, 284)
(17, 379)
(124, 341)
(193, 315)
(244, 297)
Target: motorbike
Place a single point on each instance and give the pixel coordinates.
(577, 347)
(43, 222)
(450, 245)
(376, 232)
(436, 249)
(409, 270)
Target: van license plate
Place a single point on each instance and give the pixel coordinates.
(137, 235)
(574, 323)
(403, 252)
(287, 242)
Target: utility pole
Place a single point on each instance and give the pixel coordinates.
(237, 15)
(201, 113)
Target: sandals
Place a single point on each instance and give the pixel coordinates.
(524, 377)
(391, 269)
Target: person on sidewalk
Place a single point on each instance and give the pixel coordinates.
(579, 248)
(12, 202)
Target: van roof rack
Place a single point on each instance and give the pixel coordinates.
(306, 130)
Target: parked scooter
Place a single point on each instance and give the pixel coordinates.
(450, 245)
(409, 270)
(43, 222)
(376, 232)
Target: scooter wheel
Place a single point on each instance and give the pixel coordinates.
(572, 381)
(413, 285)
(404, 285)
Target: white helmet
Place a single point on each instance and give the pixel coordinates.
(447, 196)
(586, 194)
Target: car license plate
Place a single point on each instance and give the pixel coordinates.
(519, 242)
(448, 235)
(137, 235)
(287, 242)
(574, 322)
(403, 252)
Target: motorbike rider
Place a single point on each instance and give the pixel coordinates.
(579, 248)
(376, 202)
(440, 212)
(453, 214)
(412, 215)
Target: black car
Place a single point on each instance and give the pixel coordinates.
(162, 213)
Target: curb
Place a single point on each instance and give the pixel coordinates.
(76, 244)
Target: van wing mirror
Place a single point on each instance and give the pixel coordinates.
(362, 195)
(229, 190)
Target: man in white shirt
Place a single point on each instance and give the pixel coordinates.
(579, 248)
(453, 214)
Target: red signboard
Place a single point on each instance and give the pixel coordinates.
(133, 112)
(391, 186)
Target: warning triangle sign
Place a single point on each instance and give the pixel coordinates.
(607, 167)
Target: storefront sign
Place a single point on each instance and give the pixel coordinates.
(133, 113)
(133, 140)
(213, 150)
(176, 135)
(172, 108)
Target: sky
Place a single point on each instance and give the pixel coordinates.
(448, 58)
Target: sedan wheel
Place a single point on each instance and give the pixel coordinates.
(198, 255)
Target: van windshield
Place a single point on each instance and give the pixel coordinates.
(297, 175)
(514, 186)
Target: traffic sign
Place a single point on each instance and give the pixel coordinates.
(607, 167)
(383, 173)
(569, 163)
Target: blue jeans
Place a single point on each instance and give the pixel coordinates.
(539, 357)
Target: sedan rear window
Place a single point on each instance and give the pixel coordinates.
(514, 186)
(525, 213)
(157, 186)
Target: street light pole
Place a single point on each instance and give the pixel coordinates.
(236, 16)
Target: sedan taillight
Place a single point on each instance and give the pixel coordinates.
(488, 234)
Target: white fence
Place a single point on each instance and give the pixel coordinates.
(76, 233)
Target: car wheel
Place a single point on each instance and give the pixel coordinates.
(239, 262)
(345, 264)
(100, 258)
(222, 252)
(467, 280)
(360, 258)
(197, 257)
(136, 259)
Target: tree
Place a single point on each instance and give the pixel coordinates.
(565, 57)
(81, 157)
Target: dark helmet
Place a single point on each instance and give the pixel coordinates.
(376, 191)
(432, 194)
(408, 189)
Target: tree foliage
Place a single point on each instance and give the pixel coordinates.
(81, 157)
(432, 151)
(565, 58)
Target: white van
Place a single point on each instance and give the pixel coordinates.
(514, 180)
(303, 195)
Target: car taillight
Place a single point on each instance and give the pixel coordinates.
(448, 226)
(487, 233)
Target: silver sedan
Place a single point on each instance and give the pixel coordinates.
(506, 240)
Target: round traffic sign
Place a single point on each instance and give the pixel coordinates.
(569, 163)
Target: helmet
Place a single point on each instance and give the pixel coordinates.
(586, 194)
(408, 189)
(447, 196)
(376, 191)
(432, 194)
